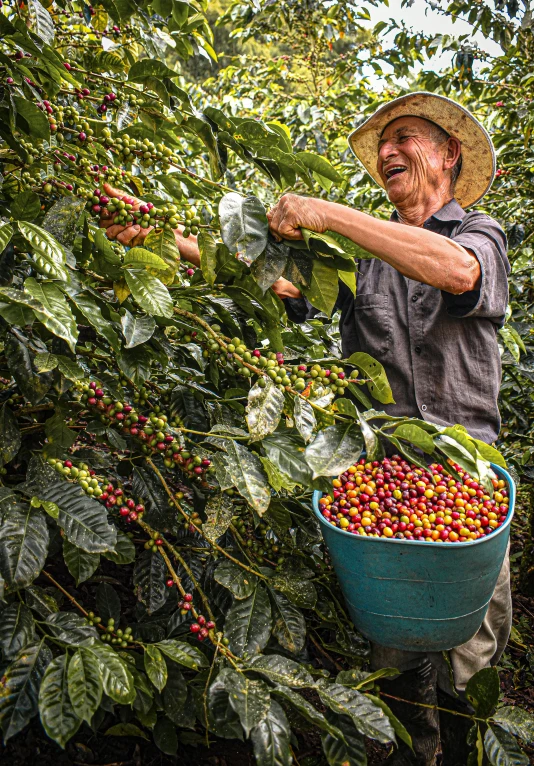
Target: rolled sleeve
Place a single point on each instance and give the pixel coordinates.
(485, 238)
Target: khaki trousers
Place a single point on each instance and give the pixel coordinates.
(481, 651)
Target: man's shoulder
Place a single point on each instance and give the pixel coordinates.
(477, 219)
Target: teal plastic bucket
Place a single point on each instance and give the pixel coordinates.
(417, 596)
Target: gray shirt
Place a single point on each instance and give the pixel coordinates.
(439, 350)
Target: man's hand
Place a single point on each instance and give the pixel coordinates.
(130, 235)
(286, 289)
(293, 211)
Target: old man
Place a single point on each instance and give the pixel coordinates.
(428, 306)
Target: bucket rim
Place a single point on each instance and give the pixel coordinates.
(451, 546)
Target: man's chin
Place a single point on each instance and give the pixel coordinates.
(397, 191)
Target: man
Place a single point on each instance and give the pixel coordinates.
(428, 307)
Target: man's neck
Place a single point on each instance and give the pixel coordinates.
(415, 214)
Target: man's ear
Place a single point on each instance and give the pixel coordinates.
(453, 151)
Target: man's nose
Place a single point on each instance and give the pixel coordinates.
(387, 150)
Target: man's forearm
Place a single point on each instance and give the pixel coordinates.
(417, 253)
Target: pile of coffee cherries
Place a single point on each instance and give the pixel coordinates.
(395, 499)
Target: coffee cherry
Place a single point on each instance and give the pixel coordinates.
(195, 627)
(169, 583)
(188, 597)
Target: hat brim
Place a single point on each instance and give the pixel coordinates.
(478, 154)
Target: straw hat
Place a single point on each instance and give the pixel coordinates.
(478, 154)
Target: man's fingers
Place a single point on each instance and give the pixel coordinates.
(129, 199)
(140, 238)
(113, 231)
(125, 237)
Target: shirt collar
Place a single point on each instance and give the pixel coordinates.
(449, 212)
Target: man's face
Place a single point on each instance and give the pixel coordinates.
(410, 163)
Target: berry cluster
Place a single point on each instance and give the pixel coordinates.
(201, 627)
(394, 498)
(112, 497)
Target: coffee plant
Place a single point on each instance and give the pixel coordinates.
(163, 423)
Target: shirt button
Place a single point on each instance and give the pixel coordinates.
(414, 298)
(418, 349)
(423, 407)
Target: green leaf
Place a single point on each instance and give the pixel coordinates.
(373, 445)
(348, 750)
(378, 385)
(219, 511)
(298, 590)
(83, 519)
(48, 254)
(223, 720)
(239, 582)
(277, 479)
(320, 165)
(270, 265)
(146, 68)
(324, 287)
(72, 628)
(208, 256)
(125, 730)
(165, 736)
(155, 666)
(271, 738)
(250, 699)
(415, 436)
(84, 680)
(140, 257)
(20, 688)
(248, 623)
(246, 472)
(287, 453)
(149, 580)
(124, 552)
(282, 670)
(304, 417)
(41, 22)
(17, 629)
(307, 710)
(264, 410)
(58, 716)
(108, 603)
(6, 232)
(26, 206)
(244, 226)
(10, 439)
(183, 653)
(490, 453)
(334, 449)
(502, 748)
(400, 730)
(117, 679)
(174, 694)
(516, 721)
(482, 691)
(368, 718)
(23, 541)
(452, 448)
(58, 432)
(289, 624)
(40, 601)
(81, 565)
(150, 293)
(30, 119)
(93, 313)
(108, 61)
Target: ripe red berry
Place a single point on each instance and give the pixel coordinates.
(118, 492)
(10, 81)
(201, 619)
(139, 508)
(86, 91)
(161, 446)
(159, 541)
(188, 597)
(169, 583)
(103, 496)
(132, 516)
(203, 634)
(256, 353)
(195, 627)
(186, 606)
(198, 470)
(68, 463)
(82, 136)
(190, 272)
(210, 625)
(130, 503)
(169, 438)
(92, 401)
(124, 511)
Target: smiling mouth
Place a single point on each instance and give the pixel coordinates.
(395, 171)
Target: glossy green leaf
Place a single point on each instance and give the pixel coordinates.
(149, 580)
(244, 225)
(219, 511)
(155, 666)
(271, 738)
(17, 629)
(84, 681)
(415, 436)
(482, 691)
(368, 718)
(307, 710)
(289, 627)
(81, 565)
(30, 119)
(378, 385)
(335, 449)
(117, 679)
(124, 552)
(239, 582)
(26, 206)
(20, 688)
(149, 293)
(264, 410)
(304, 417)
(247, 625)
(515, 721)
(282, 670)
(57, 712)
(183, 653)
(246, 472)
(287, 453)
(23, 541)
(347, 751)
(48, 254)
(208, 256)
(324, 287)
(502, 748)
(250, 699)
(165, 736)
(136, 329)
(108, 603)
(10, 438)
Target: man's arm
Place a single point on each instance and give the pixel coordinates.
(417, 253)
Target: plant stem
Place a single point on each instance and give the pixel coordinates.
(433, 707)
(200, 531)
(65, 593)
